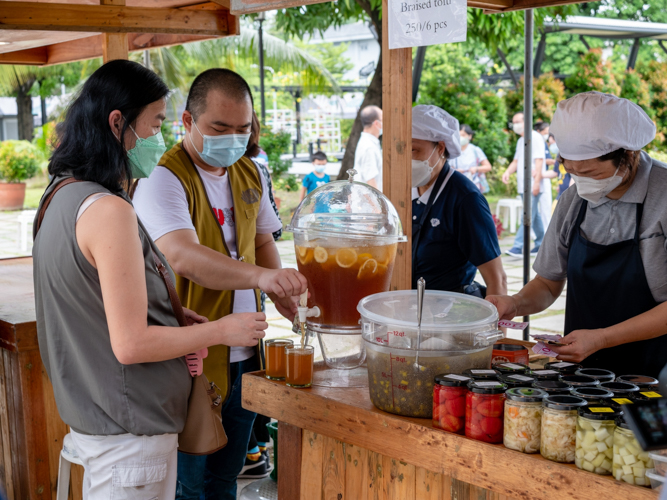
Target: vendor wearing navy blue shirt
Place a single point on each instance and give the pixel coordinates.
(452, 228)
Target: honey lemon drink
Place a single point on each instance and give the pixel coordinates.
(339, 277)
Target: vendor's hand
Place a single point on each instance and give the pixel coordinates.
(287, 306)
(241, 329)
(505, 304)
(581, 344)
(536, 188)
(193, 318)
(506, 177)
(282, 282)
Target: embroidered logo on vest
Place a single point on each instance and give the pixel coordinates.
(250, 196)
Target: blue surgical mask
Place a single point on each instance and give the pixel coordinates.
(145, 154)
(222, 150)
(320, 168)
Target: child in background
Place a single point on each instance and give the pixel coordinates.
(317, 177)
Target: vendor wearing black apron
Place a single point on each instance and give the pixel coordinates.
(453, 233)
(606, 240)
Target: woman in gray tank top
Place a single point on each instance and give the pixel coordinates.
(108, 336)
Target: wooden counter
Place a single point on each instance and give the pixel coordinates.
(31, 431)
(334, 444)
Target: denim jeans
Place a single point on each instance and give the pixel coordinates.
(213, 477)
(536, 223)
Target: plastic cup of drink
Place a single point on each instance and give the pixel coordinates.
(276, 359)
(300, 365)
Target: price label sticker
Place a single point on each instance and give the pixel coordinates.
(545, 372)
(522, 378)
(483, 372)
(562, 364)
(414, 23)
(457, 377)
(602, 410)
(487, 384)
(651, 394)
(512, 366)
(622, 401)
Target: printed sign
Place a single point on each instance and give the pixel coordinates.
(414, 23)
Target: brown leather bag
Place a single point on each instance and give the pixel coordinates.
(203, 433)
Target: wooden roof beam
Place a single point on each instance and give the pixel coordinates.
(35, 57)
(113, 19)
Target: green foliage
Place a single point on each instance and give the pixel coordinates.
(345, 129)
(591, 73)
(168, 135)
(275, 145)
(547, 93)
(638, 91)
(331, 56)
(45, 140)
(655, 74)
(451, 82)
(19, 161)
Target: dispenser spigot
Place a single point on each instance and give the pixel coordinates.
(308, 312)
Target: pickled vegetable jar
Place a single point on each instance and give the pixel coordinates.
(507, 368)
(623, 392)
(544, 374)
(597, 373)
(595, 438)
(484, 411)
(630, 462)
(481, 374)
(580, 380)
(553, 387)
(523, 419)
(449, 402)
(641, 381)
(516, 380)
(563, 367)
(559, 427)
(593, 394)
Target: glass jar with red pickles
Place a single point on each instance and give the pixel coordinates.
(485, 403)
(449, 402)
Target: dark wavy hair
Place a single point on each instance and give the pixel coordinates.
(87, 148)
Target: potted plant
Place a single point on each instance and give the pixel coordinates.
(19, 161)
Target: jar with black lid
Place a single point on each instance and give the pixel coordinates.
(481, 373)
(545, 374)
(580, 380)
(508, 368)
(593, 394)
(597, 373)
(641, 381)
(553, 387)
(595, 438)
(563, 367)
(516, 380)
(559, 427)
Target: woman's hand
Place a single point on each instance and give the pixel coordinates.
(242, 329)
(506, 177)
(193, 318)
(580, 345)
(505, 304)
(473, 170)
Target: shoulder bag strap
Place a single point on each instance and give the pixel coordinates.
(48, 199)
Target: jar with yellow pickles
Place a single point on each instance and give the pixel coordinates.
(630, 463)
(596, 424)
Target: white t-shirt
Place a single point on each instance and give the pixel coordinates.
(162, 206)
(538, 152)
(368, 159)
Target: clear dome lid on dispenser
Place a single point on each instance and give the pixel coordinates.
(346, 236)
(349, 210)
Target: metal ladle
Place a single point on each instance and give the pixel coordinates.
(421, 286)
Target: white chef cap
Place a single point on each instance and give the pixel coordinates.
(430, 123)
(593, 124)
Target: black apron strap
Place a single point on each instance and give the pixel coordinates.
(640, 211)
(431, 199)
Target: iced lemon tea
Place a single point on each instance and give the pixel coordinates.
(276, 359)
(300, 365)
(338, 278)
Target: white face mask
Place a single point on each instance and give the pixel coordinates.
(421, 171)
(518, 128)
(593, 190)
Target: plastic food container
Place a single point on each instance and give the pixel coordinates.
(595, 438)
(523, 419)
(563, 367)
(660, 462)
(593, 394)
(449, 402)
(516, 380)
(508, 368)
(458, 332)
(580, 380)
(484, 411)
(597, 373)
(545, 374)
(346, 235)
(553, 387)
(630, 462)
(559, 427)
(481, 373)
(509, 353)
(276, 359)
(657, 481)
(641, 381)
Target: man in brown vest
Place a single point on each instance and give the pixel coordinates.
(206, 206)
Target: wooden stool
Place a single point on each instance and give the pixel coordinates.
(514, 207)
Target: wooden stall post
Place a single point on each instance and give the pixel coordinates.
(114, 45)
(397, 145)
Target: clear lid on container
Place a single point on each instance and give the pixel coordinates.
(564, 403)
(597, 373)
(526, 394)
(619, 388)
(580, 380)
(600, 412)
(450, 321)
(347, 209)
(642, 381)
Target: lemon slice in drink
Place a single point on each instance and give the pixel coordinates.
(363, 257)
(305, 255)
(368, 269)
(321, 255)
(346, 257)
